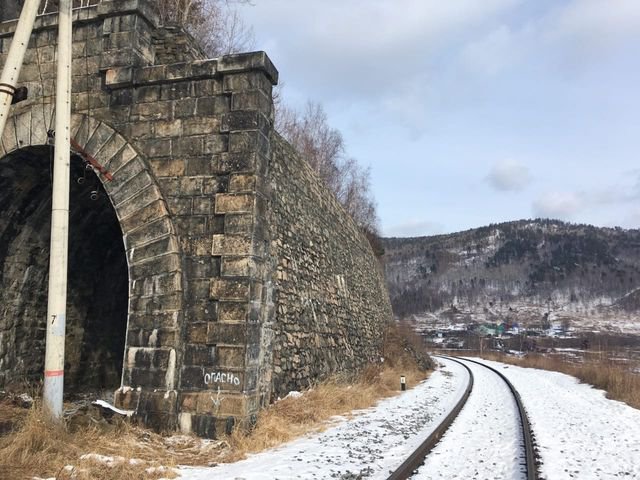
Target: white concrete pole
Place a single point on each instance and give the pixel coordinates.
(11, 70)
(57, 306)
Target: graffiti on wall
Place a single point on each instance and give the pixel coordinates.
(221, 377)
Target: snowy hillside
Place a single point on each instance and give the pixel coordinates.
(522, 271)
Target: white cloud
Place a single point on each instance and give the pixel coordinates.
(596, 22)
(560, 205)
(491, 54)
(367, 46)
(612, 204)
(414, 228)
(509, 175)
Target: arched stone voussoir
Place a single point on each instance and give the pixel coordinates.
(83, 127)
(134, 191)
(9, 140)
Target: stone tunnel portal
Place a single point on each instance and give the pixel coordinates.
(97, 301)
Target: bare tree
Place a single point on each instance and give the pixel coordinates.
(324, 148)
(216, 24)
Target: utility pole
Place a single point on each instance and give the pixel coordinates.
(13, 65)
(57, 305)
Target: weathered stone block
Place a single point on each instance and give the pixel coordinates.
(200, 126)
(247, 81)
(188, 403)
(156, 148)
(199, 166)
(185, 108)
(152, 231)
(145, 377)
(239, 267)
(239, 224)
(203, 267)
(233, 311)
(209, 106)
(240, 183)
(169, 262)
(180, 205)
(149, 213)
(203, 310)
(202, 206)
(197, 333)
(254, 100)
(188, 146)
(119, 192)
(230, 356)
(192, 378)
(138, 201)
(176, 91)
(234, 203)
(235, 245)
(227, 333)
(200, 355)
(230, 289)
(235, 162)
(118, 77)
(244, 120)
(167, 128)
(215, 144)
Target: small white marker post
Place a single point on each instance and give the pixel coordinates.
(59, 251)
(403, 383)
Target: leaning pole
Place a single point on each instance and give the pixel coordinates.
(15, 57)
(57, 303)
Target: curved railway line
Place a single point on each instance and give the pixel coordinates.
(417, 458)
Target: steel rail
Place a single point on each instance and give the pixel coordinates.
(407, 468)
(529, 447)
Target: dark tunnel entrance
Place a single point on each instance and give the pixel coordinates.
(97, 299)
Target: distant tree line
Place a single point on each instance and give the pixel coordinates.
(500, 264)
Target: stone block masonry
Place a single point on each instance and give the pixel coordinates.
(330, 298)
(242, 277)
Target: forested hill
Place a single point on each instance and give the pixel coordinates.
(526, 268)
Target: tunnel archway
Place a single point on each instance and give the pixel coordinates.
(97, 303)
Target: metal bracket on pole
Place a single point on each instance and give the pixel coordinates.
(17, 94)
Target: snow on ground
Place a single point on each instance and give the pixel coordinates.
(581, 434)
(372, 444)
(485, 440)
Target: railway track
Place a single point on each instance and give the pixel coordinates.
(417, 458)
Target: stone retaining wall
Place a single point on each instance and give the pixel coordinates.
(329, 293)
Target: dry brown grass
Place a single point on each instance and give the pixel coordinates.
(295, 416)
(292, 417)
(43, 448)
(619, 383)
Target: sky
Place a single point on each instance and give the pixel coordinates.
(471, 112)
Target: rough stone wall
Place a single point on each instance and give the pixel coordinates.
(329, 293)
